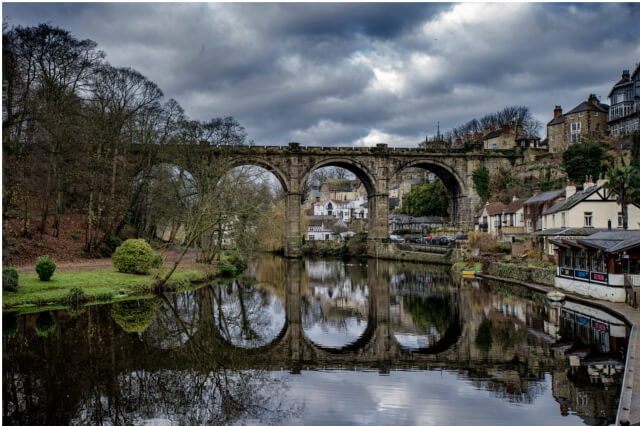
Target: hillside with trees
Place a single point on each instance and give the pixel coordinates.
(80, 140)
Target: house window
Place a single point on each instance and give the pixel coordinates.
(311, 237)
(581, 260)
(580, 114)
(588, 216)
(566, 259)
(494, 145)
(597, 262)
(620, 220)
(595, 113)
(564, 222)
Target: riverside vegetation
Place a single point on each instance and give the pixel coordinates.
(137, 271)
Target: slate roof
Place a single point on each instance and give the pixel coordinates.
(567, 232)
(557, 120)
(613, 241)
(545, 196)
(588, 106)
(571, 201)
(491, 135)
(635, 71)
(514, 206)
(404, 218)
(494, 208)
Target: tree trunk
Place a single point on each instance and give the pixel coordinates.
(59, 206)
(45, 208)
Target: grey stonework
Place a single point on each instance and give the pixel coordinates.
(376, 167)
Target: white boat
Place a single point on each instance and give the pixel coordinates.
(555, 296)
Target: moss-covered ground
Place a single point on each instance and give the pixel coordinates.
(99, 285)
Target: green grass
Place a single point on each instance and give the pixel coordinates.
(98, 285)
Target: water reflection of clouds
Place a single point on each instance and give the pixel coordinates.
(336, 335)
(413, 398)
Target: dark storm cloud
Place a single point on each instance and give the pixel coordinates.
(358, 73)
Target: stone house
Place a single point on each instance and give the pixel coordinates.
(342, 190)
(587, 120)
(624, 114)
(504, 138)
(538, 203)
(417, 224)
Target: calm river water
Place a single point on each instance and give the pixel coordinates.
(318, 342)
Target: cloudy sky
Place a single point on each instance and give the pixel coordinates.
(359, 73)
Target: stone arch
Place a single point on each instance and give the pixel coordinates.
(242, 160)
(449, 176)
(357, 168)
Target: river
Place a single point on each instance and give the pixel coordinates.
(318, 342)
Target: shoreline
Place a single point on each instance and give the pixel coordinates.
(629, 404)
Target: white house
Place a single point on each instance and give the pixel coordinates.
(490, 217)
(321, 228)
(593, 207)
(345, 210)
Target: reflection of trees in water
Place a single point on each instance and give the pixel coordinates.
(247, 315)
(428, 312)
(175, 320)
(134, 316)
(209, 396)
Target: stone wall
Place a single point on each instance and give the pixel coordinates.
(522, 273)
(392, 252)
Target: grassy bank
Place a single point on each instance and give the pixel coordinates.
(98, 285)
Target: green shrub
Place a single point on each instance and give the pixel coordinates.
(133, 257)
(157, 260)
(134, 316)
(44, 324)
(76, 296)
(226, 269)
(239, 262)
(45, 268)
(505, 248)
(10, 279)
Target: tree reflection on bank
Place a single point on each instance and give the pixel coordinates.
(214, 355)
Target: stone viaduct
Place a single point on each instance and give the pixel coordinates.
(376, 167)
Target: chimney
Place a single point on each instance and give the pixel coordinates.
(467, 136)
(588, 183)
(557, 111)
(569, 190)
(593, 99)
(487, 129)
(458, 142)
(625, 74)
(505, 129)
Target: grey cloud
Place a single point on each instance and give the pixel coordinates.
(317, 71)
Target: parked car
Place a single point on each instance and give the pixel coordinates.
(461, 237)
(396, 238)
(414, 240)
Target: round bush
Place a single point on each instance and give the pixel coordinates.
(45, 268)
(133, 257)
(226, 269)
(157, 261)
(10, 279)
(135, 316)
(45, 324)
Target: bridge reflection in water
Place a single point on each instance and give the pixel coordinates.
(213, 355)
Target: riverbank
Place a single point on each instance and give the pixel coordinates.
(629, 407)
(98, 285)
